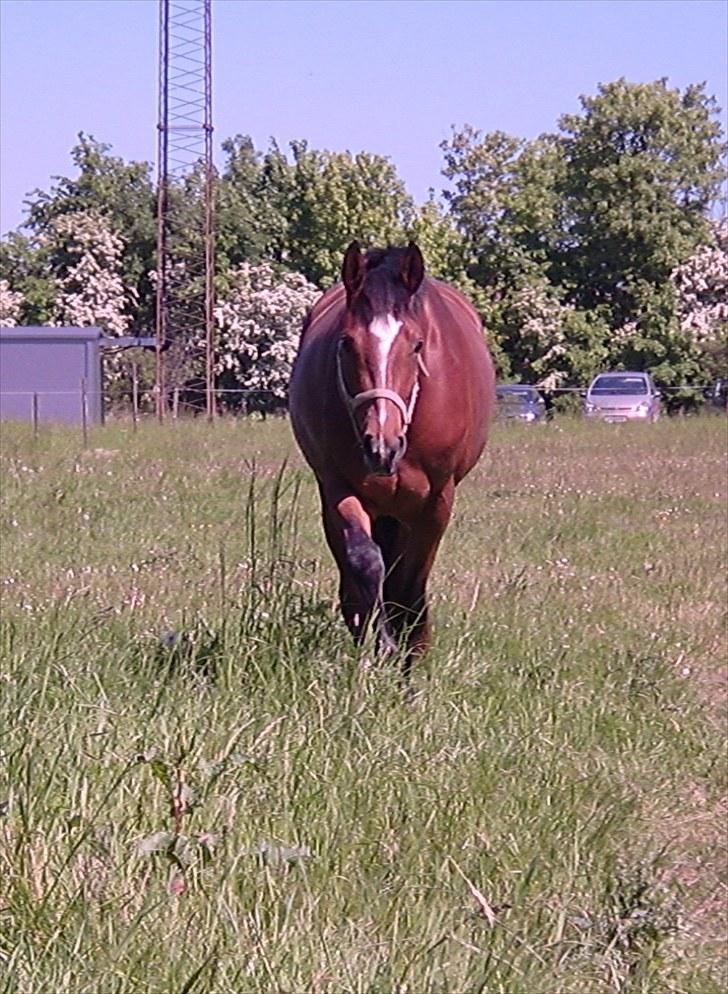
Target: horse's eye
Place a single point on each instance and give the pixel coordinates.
(345, 343)
(418, 347)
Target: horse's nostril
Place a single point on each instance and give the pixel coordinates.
(372, 449)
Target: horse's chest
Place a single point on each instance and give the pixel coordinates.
(400, 496)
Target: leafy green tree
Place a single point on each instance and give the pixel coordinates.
(253, 197)
(104, 184)
(580, 249)
(448, 256)
(642, 168)
(504, 201)
(442, 245)
(302, 211)
(533, 223)
(481, 168)
(549, 342)
(25, 266)
(593, 219)
(335, 197)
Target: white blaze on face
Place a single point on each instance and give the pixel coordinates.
(384, 330)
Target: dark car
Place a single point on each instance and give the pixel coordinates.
(517, 402)
(717, 394)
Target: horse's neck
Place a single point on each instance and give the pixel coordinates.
(325, 310)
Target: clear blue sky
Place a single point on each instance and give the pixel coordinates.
(386, 76)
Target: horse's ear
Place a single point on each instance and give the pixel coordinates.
(413, 267)
(353, 270)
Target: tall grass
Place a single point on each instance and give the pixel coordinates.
(204, 790)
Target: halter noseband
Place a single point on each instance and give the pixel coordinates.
(353, 402)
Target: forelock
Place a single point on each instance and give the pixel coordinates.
(383, 287)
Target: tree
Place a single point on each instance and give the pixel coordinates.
(11, 305)
(448, 256)
(481, 168)
(336, 197)
(701, 283)
(259, 324)
(504, 203)
(25, 265)
(702, 286)
(302, 212)
(252, 207)
(588, 224)
(578, 248)
(642, 168)
(442, 245)
(89, 285)
(549, 342)
(87, 267)
(105, 185)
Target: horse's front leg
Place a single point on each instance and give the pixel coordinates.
(348, 529)
(406, 586)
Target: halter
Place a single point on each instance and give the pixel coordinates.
(353, 402)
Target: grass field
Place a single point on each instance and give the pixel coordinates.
(202, 790)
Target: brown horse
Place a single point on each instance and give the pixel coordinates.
(391, 397)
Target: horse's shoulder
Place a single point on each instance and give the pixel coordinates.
(447, 292)
(448, 296)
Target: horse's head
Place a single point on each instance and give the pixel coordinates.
(379, 358)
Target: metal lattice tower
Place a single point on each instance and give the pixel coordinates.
(185, 195)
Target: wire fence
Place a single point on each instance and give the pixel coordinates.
(86, 407)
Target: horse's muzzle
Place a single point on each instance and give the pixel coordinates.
(382, 457)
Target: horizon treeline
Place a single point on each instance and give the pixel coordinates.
(595, 245)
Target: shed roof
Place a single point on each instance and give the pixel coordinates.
(44, 331)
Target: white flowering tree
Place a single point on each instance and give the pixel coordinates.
(535, 322)
(548, 341)
(87, 262)
(258, 325)
(90, 288)
(702, 287)
(539, 318)
(11, 305)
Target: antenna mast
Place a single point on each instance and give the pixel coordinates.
(185, 201)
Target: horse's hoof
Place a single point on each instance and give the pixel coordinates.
(411, 696)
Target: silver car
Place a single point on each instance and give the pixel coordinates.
(623, 397)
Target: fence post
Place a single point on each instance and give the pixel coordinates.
(175, 403)
(134, 395)
(84, 411)
(34, 409)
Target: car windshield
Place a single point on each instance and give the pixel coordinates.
(517, 395)
(619, 384)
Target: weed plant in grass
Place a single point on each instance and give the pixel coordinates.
(203, 789)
